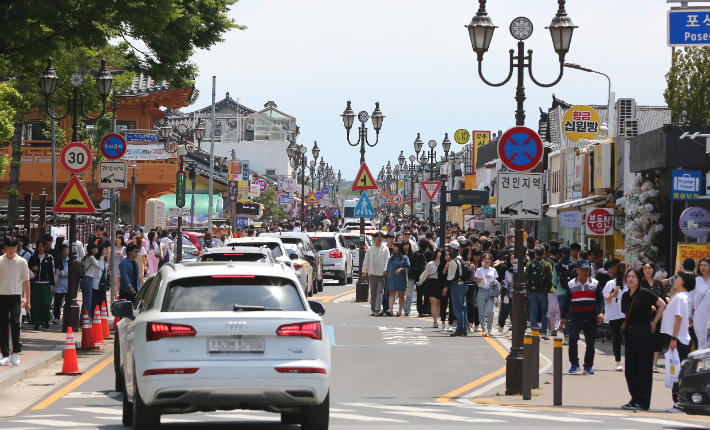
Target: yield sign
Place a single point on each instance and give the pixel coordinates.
(431, 188)
(364, 180)
(74, 199)
(520, 149)
(311, 199)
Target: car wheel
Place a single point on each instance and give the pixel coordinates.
(316, 417)
(350, 279)
(314, 287)
(119, 383)
(291, 418)
(127, 418)
(309, 290)
(144, 417)
(342, 280)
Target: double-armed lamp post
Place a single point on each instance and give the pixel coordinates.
(481, 32)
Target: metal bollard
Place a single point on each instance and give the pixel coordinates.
(527, 367)
(557, 372)
(535, 362)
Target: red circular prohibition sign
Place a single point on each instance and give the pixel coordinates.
(520, 149)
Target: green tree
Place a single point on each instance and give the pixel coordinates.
(688, 86)
(267, 200)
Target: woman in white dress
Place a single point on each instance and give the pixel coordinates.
(700, 302)
(155, 253)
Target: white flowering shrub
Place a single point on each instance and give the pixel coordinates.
(643, 223)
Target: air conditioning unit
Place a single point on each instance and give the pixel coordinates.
(631, 127)
(626, 110)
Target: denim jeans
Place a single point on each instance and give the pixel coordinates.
(561, 301)
(589, 327)
(538, 300)
(505, 309)
(409, 296)
(485, 308)
(458, 297)
(86, 289)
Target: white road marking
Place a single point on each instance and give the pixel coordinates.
(165, 420)
(401, 336)
(663, 422)
(97, 410)
(44, 416)
(340, 410)
(539, 417)
(250, 417)
(90, 395)
(53, 423)
(364, 418)
(108, 418)
(392, 407)
(445, 417)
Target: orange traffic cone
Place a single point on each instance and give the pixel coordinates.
(70, 366)
(98, 332)
(115, 321)
(104, 321)
(87, 337)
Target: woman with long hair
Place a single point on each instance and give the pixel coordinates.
(118, 258)
(142, 261)
(470, 292)
(431, 282)
(409, 297)
(155, 254)
(41, 264)
(90, 269)
(637, 304)
(396, 284)
(506, 294)
(676, 324)
(655, 285)
(485, 276)
(613, 291)
(700, 302)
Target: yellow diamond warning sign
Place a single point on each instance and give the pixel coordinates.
(74, 199)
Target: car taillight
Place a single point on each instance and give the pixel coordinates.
(297, 266)
(233, 276)
(307, 329)
(336, 254)
(299, 370)
(181, 371)
(233, 254)
(314, 238)
(156, 331)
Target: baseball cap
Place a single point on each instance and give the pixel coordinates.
(566, 250)
(582, 264)
(689, 264)
(454, 245)
(461, 238)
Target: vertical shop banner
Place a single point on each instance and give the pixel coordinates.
(242, 191)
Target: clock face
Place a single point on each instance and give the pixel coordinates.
(521, 28)
(76, 79)
(363, 116)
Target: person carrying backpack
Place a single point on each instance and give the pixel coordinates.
(418, 263)
(458, 273)
(563, 273)
(538, 284)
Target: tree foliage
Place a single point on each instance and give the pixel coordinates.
(267, 200)
(688, 86)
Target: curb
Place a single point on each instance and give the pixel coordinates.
(15, 375)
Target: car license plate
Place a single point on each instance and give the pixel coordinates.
(236, 345)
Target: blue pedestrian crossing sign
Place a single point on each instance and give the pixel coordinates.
(364, 207)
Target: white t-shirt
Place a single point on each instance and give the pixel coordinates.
(491, 274)
(678, 306)
(13, 272)
(613, 309)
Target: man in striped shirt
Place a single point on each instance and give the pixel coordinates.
(587, 306)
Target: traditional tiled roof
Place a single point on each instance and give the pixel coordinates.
(227, 101)
(143, 84)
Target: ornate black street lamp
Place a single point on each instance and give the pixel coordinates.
(481, 32)
(48, 83)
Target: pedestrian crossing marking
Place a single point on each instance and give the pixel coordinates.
(52, 423)
(446, 417)
(365, 418)
(98, 410)
(663, 422)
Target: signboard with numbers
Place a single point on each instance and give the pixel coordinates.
(581, 122)
(519, 196)
(599, 223)
(76, 157)
(685, 184)
(689, 27)
(462, 136)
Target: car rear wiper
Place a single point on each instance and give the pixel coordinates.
(247, 308)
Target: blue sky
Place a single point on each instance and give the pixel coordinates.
(415, 58)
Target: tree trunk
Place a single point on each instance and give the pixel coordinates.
(16, 158)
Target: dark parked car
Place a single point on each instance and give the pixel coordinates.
(694, 383)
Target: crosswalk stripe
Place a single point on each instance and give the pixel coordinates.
(98, 410)
(44, 416)
(53, 423)
(174, 420)
(445, 417)
(108, 418)
(538, 417)
(364, 418)
(250, 417)
(392, 407)
(340, 410)
(663, 422)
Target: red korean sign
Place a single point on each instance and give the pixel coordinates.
(599, 222)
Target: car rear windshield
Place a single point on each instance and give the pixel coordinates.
(293, 240)
(221, 293)
(352, 240)
(234, 256)
(323, 243)
(273, 246)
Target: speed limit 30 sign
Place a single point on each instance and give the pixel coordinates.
(76, 157)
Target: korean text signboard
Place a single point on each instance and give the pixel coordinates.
(685, 184)
(696, 251)
(147, 151)
(689, 27)
(569, 219)
(519, 196)
(480, 138)
(598, 223)
(581, 122)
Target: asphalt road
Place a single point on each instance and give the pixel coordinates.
(387, 372)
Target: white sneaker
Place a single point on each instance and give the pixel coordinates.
(565, 342)
(674, 410)
(485, 333)
(443, 326)
(505, 330)
(5, 361)
(618, 367)
(15, 360)
(451, 328)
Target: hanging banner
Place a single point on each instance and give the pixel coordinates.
(569, 219)
(148, 151)
(242, 191)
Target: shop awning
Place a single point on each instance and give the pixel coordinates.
(552, 209)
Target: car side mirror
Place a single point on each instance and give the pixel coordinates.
(123, 309)
(317, 307)
(293, 256)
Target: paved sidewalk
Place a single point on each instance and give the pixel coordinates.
(605, 390)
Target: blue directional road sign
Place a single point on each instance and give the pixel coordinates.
(364, 207)
(689, 27)
(325, 191)
(319, 195)
(686, 184)
(520, 149)
(142, 137)
(241, 221)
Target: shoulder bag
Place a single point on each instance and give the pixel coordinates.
(633, 299)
